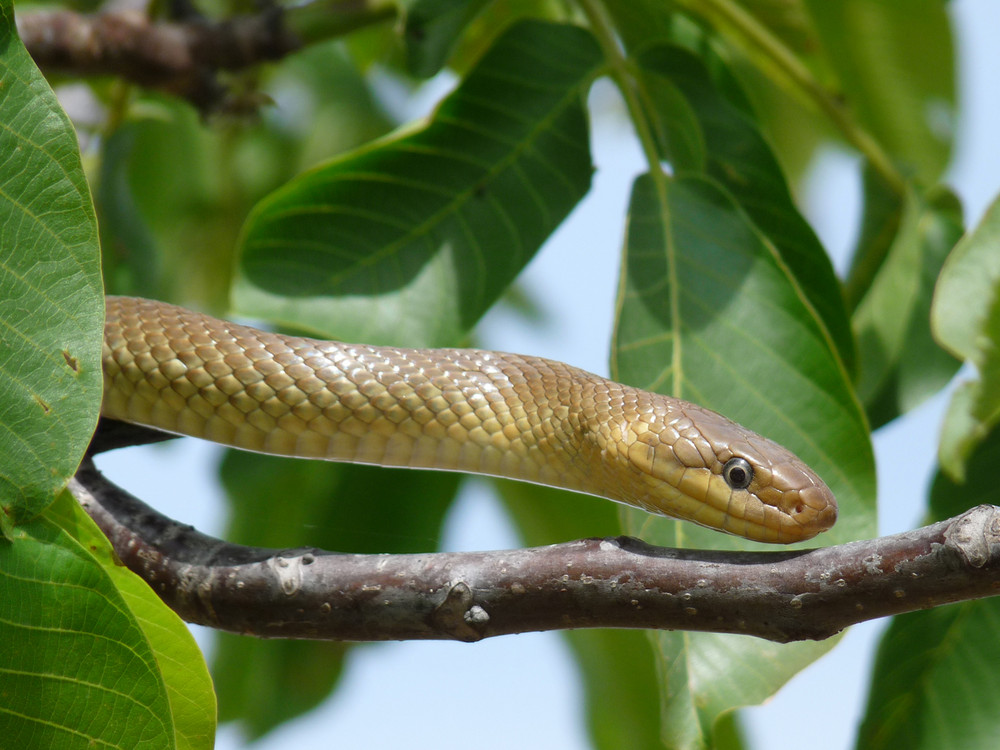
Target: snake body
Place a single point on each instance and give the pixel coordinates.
(466, 410)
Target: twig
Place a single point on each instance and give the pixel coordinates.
(593, 583)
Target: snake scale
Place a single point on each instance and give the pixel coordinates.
(466, 410)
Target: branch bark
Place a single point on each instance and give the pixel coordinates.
(592, 583)
(184, 58)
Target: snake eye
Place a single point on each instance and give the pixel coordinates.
(738, 473)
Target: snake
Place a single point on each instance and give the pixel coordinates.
(469, 410)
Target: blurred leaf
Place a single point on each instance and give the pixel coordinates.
(792, 125)
(934, 683)
(431, 30)
(975, 406)
(900, 363)
(77, 669)
(882, 212)
(262, 684)
(896, 66)
(51, 305)
(950, 498)
(642, 23)
(325, 106)
(180, 192)
(728, 733)
(618, 666)
(354, 508)
(965, 318)
(411, 240)
(732, 32)
(494, 20)
(967, 286)
(787, 21)
(129, 261)
(710, 313)
(283, 503)
(738, 157)
(190, 187)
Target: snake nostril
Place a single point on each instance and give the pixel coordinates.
(799, 508)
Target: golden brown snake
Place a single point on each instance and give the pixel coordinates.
(458, 409)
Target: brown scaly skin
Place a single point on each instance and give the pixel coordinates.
(467, 410)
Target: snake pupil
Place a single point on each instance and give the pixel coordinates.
(738, 473)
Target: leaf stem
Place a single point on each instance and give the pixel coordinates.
(626, 81)
(759, 37)
(630, 86)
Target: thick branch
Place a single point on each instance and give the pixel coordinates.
(184, 58)
(609, 583)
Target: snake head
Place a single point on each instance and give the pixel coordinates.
(695, 464)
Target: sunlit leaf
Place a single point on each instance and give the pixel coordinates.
(966, 320)
(50, 289)
(179, 660)
(881, 213)
(967, 285)
(77, 669)
(900, 363)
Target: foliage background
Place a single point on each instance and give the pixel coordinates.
(518, 676)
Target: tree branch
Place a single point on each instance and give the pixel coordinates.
(184, 58)
(608, 583)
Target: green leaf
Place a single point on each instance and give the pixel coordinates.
(129, 262)
(641, 23)
(618, 666)
(180, 661)
(87, 643)
(738, 157)
(965, 317)
(217, 174)
(710, 313)
(882, 212)
(283, 503)
(967, 286)
(51, 304)
(934, 684)
(675, 125)
(896, 66)
(431, 30)
(411, 240)
(900, 363)
(77, 669)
